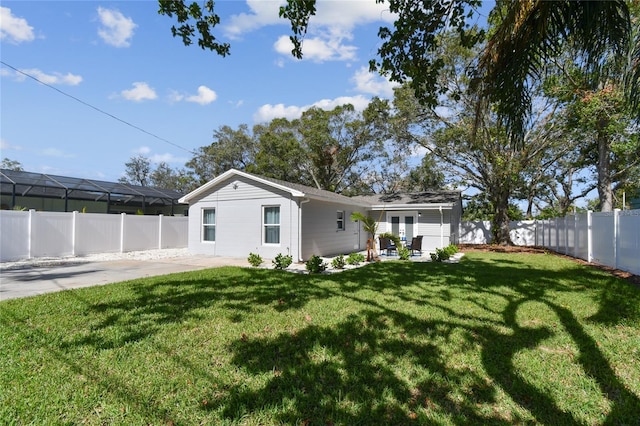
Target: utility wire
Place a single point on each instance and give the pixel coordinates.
(98, 109)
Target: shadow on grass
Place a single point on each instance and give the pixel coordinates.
(385, 363)
(363, 350)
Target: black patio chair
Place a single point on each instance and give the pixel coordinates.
(387, 245)
(416, 245)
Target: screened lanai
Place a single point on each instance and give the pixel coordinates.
(47, 192)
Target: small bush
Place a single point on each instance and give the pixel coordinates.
(315, 265)
(255, 260)
(355, 258)
(404, 253)
(444, 253)
(281, 261)
(338, 262)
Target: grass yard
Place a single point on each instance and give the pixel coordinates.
(496, 339)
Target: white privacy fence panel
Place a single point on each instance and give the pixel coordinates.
(140, 233)
(603, 238)
(523, 233)
(31, 234)
(173, 232)
(581, 244)
(55, 234)
(98, 233)
(14, 236)
(628, 241)
(611, 239)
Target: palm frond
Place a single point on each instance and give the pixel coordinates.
(530, 32)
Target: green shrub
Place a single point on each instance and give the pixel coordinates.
(315, 265)
(281, 261)
(355, 258)
(255, 259)
(404, 253)
(444, 253)
(338, 262)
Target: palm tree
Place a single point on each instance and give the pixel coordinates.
(528, 33)
(370, 226)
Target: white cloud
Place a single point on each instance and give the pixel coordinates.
(140, 92)
(6, 146)
(116, 29)
(373, 84)
(327, 32)
(204, 97)
(261, 13)
(167, 158)
(54, 78)
(13, 29)
(268, 112)
(319, 49)
(55, 153)
(143, 150)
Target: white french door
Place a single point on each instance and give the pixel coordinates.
(402, 224)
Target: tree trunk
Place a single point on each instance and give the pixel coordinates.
(500, 225)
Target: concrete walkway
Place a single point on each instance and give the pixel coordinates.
(34, 280)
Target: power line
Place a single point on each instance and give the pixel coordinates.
(97, 109)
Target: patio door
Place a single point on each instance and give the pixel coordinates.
(402, 224)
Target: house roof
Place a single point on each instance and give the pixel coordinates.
(296, 190)
(399, 201)
(432, 199)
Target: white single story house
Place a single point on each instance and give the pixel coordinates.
(238, 213)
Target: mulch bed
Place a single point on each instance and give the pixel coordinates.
(627, 276)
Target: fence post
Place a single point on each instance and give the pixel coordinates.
(74, 232)
(616, 236)
(160, 231)
(575, 235)
(32, 213)
(589, 242)
(555, 223)
(122, 222)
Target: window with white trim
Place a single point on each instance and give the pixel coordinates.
(209, 225)
(271, 224)
(340, 220)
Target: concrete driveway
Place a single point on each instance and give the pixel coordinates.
(34, 280)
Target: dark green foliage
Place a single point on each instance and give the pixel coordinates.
(338, 262)
(282, 261)
(355, 258)
(445, 253)
(315, 265)
(255, 259)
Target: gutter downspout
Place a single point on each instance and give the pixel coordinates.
(302, 201)
(441, 228)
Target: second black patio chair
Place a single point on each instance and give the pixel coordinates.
(416, 245)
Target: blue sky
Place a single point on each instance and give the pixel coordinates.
(120, 58)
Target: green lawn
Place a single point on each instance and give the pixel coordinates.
(496, 339)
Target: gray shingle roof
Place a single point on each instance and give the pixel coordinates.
(315, 192)
(424, 197)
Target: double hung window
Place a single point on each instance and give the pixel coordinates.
(340, 220)
(209, 225)
(271, 224)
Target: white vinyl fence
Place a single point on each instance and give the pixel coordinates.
(606, 238)
(32, 234)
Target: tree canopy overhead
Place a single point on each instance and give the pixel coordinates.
(525, 35)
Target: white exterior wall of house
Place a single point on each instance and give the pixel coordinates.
(239, 204)
(320, 230)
